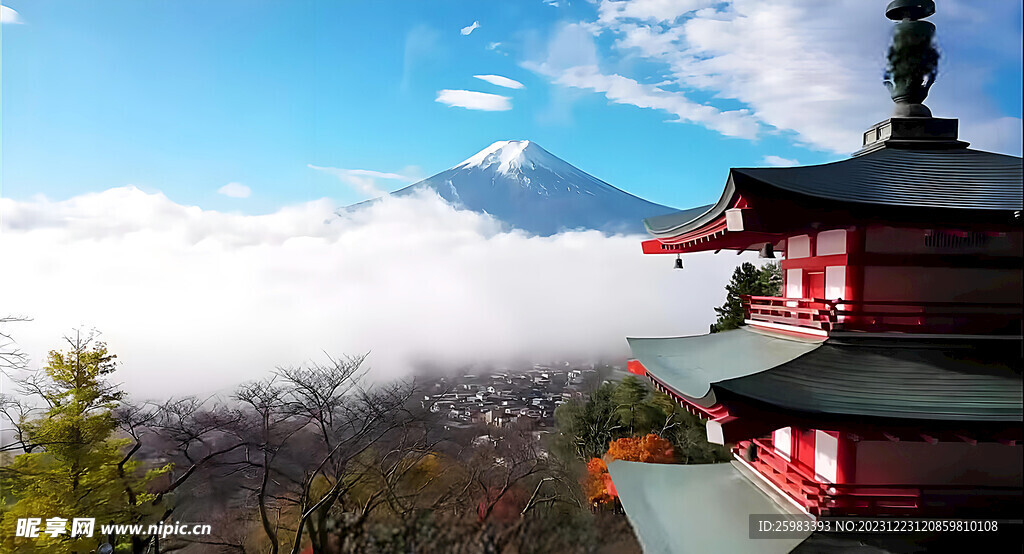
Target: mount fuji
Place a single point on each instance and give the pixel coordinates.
(528, 188)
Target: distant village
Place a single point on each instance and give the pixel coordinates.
(503, 398)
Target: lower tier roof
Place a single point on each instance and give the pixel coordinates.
(689, 365)
(892, 382)
(697, 508)
(906, 379)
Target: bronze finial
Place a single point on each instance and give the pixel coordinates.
(912, 59)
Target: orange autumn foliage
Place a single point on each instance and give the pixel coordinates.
(596, 483)
(651, 449)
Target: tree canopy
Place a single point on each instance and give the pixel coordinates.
(747, 279)
(629, 409)
(73, 465)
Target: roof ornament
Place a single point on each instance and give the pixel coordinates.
(912, 58)
(913, 61)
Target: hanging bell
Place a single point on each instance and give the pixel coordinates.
(767, 251)
(679, 262)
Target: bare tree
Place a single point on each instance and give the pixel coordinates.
(12, 358)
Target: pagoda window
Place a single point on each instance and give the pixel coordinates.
(794, 283)
(798, 247)
(831, 242)
(782, 441)
(826, 455)
(835, 282)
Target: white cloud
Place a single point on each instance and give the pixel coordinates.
(235, 190)
(500, 81)
(653, 10)
(572, 45)
(195, 301)
(8, 15)
(473, 100)
(622, 90)
(470, 28)
(572, 62)
(363, 181)
(778, 161)
(812, 72)
(493, 45)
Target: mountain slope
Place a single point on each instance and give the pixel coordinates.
(527, 187)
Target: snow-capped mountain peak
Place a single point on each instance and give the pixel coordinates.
(529, 188)
(510, 155)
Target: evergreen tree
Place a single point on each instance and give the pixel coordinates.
(637, 415)
(630, 409)
(73, 465)
(747, 279)
(586, 427)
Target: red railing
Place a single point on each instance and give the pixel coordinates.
(857, 499)
(797, 312)
(886, 316)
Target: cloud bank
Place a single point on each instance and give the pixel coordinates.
(196, 301)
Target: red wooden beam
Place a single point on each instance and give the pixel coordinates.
(814, 262)
(719, 240)
(968, 440)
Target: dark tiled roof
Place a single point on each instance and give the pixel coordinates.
(955, 179)
(961, 179)
(919, 383)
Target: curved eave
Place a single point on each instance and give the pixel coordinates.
(958, 181)
(701, 507)
(689, 365)
(909, 381)
(678, 223)
(892, 383)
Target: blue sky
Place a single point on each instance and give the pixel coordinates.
(658, 97)
(192, 155)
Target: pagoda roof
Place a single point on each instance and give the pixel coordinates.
(912, 379)
(920, 383)
(949, 179)
(698, 508)
(689, 365)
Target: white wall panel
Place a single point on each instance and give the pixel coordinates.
(798, 247)
(835, 282)
(831, 242)
(794, 283)
(782, 439)
(826, 455)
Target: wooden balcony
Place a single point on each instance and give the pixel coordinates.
(805, 313)
(818, 315)
(857, 499)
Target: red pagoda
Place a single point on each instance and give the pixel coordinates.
(886, 381)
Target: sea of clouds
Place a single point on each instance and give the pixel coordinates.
(195, 301)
